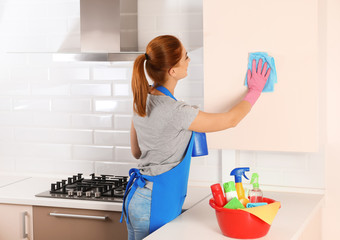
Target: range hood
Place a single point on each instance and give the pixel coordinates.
(108, 32)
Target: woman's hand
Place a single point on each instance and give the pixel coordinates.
(256, 81)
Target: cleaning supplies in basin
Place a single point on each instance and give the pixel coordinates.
(234, 204)
(238, 173)
(255, 194)
(218, 195)
(230, 190)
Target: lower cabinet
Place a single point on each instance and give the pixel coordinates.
(68, 224)
(16, 222)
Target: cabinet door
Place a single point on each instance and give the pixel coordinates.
(16, 222)
(69, 224)
(287, 119)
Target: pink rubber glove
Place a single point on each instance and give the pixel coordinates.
(256, 81)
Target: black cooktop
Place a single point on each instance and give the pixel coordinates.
(96, 188)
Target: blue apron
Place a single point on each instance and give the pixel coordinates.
(169, 189)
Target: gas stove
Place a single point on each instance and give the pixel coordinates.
(108, 188)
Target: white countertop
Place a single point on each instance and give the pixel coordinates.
(200, 222)
(9, 179)
(22, 190)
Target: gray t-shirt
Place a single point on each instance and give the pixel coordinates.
(163, 134)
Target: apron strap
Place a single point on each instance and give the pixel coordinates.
(165, 91)
(136, 180)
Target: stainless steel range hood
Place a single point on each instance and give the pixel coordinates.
(108, 32)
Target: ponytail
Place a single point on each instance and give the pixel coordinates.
(162, 53)
(140, 86)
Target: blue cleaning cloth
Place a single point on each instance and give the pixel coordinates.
(250, 205)
(269, 87)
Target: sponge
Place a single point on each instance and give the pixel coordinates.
(234, 204)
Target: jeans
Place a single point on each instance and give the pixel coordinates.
(139, 214)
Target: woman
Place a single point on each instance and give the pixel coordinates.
(162, 131)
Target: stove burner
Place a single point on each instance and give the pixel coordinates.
(100, 188)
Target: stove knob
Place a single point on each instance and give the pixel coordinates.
(58, 185)
(80, 176)
(63, 182)
(70, 180)
(70, 192)
(52, 187)
(97, 194)
(74, 178)
(88, 194)
(79, 193)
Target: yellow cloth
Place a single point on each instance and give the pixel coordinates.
(266, 213)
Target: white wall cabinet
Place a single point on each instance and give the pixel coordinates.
(16, 222)
(287, 119)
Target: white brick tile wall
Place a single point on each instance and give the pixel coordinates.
(92, 121)
(147, 7)
(179, 22)
(122, 122)
(35, 150)
(189, 89)
(191, 6)
(40, 59)
(23, 104)
(33, 134)
(10, 88)
(118, 169)
(5, 104)
(94, 153)
(50, 89)
(69, 42)
(47, 25)
(116, 106)
(112, 138)
(9, 60)
(109, 73)
(69, 73)
(91, 89)
(36, 43)
(6, 134)
(51, 120)
(73, 136)
(123, 154)
(71, 167)
(58, 117)
(4, 75)
(24, 73)
(73, 25)
(121, 90)
(71, 105)
(64, 9)
(50, 135)
(16, 118)
(147, 23)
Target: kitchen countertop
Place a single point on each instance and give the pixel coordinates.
(200, 222)
(22, 190)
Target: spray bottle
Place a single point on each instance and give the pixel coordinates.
(238, 172)
(255, 195)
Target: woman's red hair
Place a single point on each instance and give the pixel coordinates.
(163, 52)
